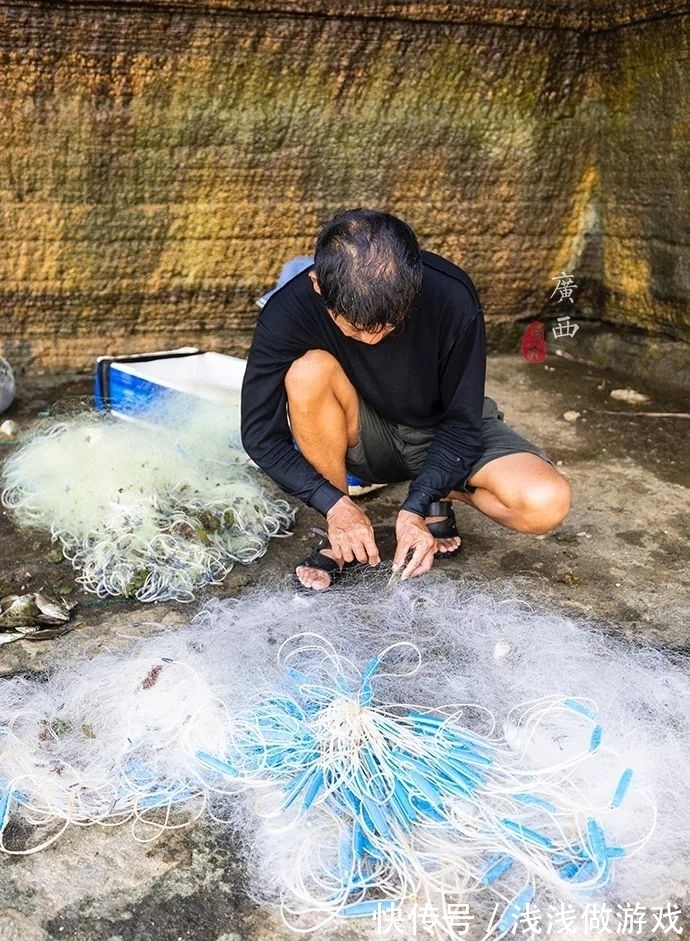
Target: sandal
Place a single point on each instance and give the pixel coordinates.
(444, 529)
(324, 563)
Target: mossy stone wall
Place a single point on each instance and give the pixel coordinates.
(161, 160)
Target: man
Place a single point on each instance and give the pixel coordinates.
(373, 361)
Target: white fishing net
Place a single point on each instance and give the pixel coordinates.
(375, 746)
(151, 511)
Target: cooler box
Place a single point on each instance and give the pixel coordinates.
(129, 385)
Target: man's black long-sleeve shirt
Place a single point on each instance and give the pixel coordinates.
(429, 372)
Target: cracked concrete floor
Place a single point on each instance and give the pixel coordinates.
(621, 558)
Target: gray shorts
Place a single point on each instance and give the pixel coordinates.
(388, 453)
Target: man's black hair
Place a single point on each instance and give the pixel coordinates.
(368, 265)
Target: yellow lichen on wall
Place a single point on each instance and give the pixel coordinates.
(158, 167)
(643, 155)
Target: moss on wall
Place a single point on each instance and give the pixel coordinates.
(160, 161)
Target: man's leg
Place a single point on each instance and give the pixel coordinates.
(324, 418)
(324, 413)
(520, 491)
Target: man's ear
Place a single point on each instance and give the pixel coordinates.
(315, 283)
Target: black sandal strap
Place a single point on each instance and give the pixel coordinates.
(440, 508)
(317, 560)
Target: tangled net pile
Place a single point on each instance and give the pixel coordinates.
(371, 804)
(146, 512)
(366, 775)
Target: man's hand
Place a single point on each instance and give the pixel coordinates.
(350, 533)
(413, 536)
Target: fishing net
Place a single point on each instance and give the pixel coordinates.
(150, 511)
(446, 745)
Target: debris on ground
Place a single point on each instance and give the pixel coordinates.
(629, 396)
(33, 616)
(9, 429)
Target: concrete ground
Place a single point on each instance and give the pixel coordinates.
(621, 558)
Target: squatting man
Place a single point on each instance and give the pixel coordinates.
(372, 362)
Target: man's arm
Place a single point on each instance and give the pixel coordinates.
(266, 435)
(452, 453)
(267, 438)
(457, 443)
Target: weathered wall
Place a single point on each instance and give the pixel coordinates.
(160, 160)
(644, 166)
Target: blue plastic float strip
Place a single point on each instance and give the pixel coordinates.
(346, 857)
(296, 676)
(535, 801)
(398, 808)
(597, 841)
(526, 834)
(401, 811)
(459, 776)
(275, 735)
(138, 773)
(4, 807)
(497, 869)
(343, 684)
(622, 788)
(428, 811)
(598, 850)
(427, 789)
(345, 797)
(595, 740)
(580, 707)
(362, 845)
(8, 795)
(287, 705)
(588, 862)
(584, 872)
(217, 764)
(309, 778)
(162, 798)
(380, 823)
(406, 812)
(374, 814)
(450, 771)
(515, 908)
(569, 870)
(372, 907)
(369, 670)
(432, 724)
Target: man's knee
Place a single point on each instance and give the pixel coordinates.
(544, 504)
(310, 375)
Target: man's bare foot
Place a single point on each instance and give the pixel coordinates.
(448, 544)
(321, 567)
(318, 579)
